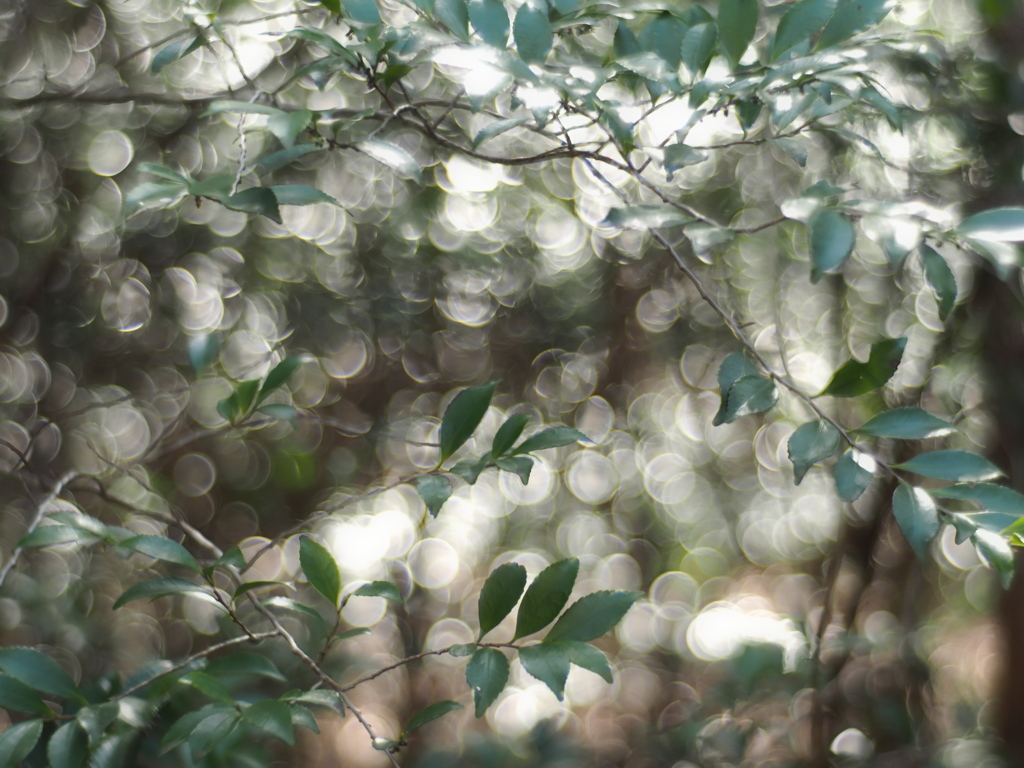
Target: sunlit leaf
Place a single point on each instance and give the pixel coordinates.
(454, 14)
(958, 466)
(249, 586)
(487, 674)
(997, 554)
(497, 128)
(906, 424)
(164, 172)
(853, 474)
(592, 616)
(172, 52)
(435, 490)
(734, 367)
(1001, 225)
(279, 374)
(646, 217)
(363, 12)
(393, 156)
(995, 498)
(547, 663)
(490, 20)
(161, 548)
(153, 194)
(431, 713)
(917, 518)
(831, 241)
(320, 568)
(463, 416)
(546, 596)
(532, 31)
(810, 443)
(664, 36)
(384, 589)
(287, 126)
(283, 157)
(52, 535)
(699, 46)
(855, 378)
(499, 595)
(470, 469)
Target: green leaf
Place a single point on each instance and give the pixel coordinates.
(532, 32)
(964, 526)
(393, 156)
(294, 606)
(620, 128)
(184, 726)
(737, 22)
(454, 14)
(298, 194)
(320, 698)
(160, 587)
(51, 535)
(487, 674)
(161, 548)
(793, 148)
(287, 156)
(588, 657)
(334, 6)
(463, 416)
(208, 685)
(36, 669)
(750, 394)
(232, 557)
(470, 469)
(698, 47)
(320, 568)
(273, 717)
(490, 20)
(549, 664)
(591, 616)
(799, 22)
(810, 443)
(958, 466)
(86, 524)
(304, 718)
(279, 374)
(996, 552)
(164, 173)
(1001, 225)
(500, 593)
(463, 649)
(249, 586)
(18, 741)
(237, 404)
(917, 518)
(646, 217)
(362, 12)
(259, 200)
(508, 433)
(994, 498)
(518, 465)
(383, 589)
(287, 126)
(68, 747)
(906, 424)
(546, 596)
(679, 156)
(853, 473)
(497, 128)
(15, 695)
(435, 490)
(851, 17)
(431, 713)
(831, 240)
(664, 36)
(217, 186)
(734, 367)
(202, 351)
(96, 718)
(940, 279)
(244, 665)
(856, 378)
(211, 732)
(624, 42)
(348, 634)
(153, 194)
(281, 411)
(171, 53)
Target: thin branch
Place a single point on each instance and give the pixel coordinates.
(417, 657)
(40, 513)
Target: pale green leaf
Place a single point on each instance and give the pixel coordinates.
(917, 518)
(810, 443)
(906, 424)
(940, 280)
(490, 20)
(853, 474)
(958, 466)
(393, 156)
(737, 22)
(532, 31)
(831, 241)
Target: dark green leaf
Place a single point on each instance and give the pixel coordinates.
(994, 498)
(68, 747)
(546, 596)
(698, 47)
(52, 535)
(917, 518)
(281, 158)
(334, 6)
(799, 22)
(496, 128)
(160, 587)
(303, 718)
(259, 200)
(737, 22)
(854, 472)
(734, 367)
(463, 416)
(249, 586)
(646, 217)
(958, 466)
(208, 685)
(810, 443)
(831, 240)
(664, 36)
(361, 12)
(549, 664)
(184, 726)
(244, 665)
(940, 279)
(906, 424)
(320, 698)
(750, 394)
(202, 351)
(161, 548)
(211, 732)
(856, 378)
(591, 616)
(519, 465)
(508, 433)
(431, 713)
(15, 695)
(532, 32)
(383, 589)
(179, 49)
(393, 156)
(454, 14)
(36, 669)
(435, 490)
(320, 568)
(487, 674)
(996, 552)
(17, 741)
(1001, 225)
(851, 17)
(237, 404)
(232, 557)
(298, 194)
(273, 717)
(499, 595)
(470, 469)
(490, 20)
(588, 657)
(279, 374)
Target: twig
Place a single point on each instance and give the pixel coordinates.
(417, 657)
(55, 491)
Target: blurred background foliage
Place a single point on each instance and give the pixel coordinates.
(401, 294)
